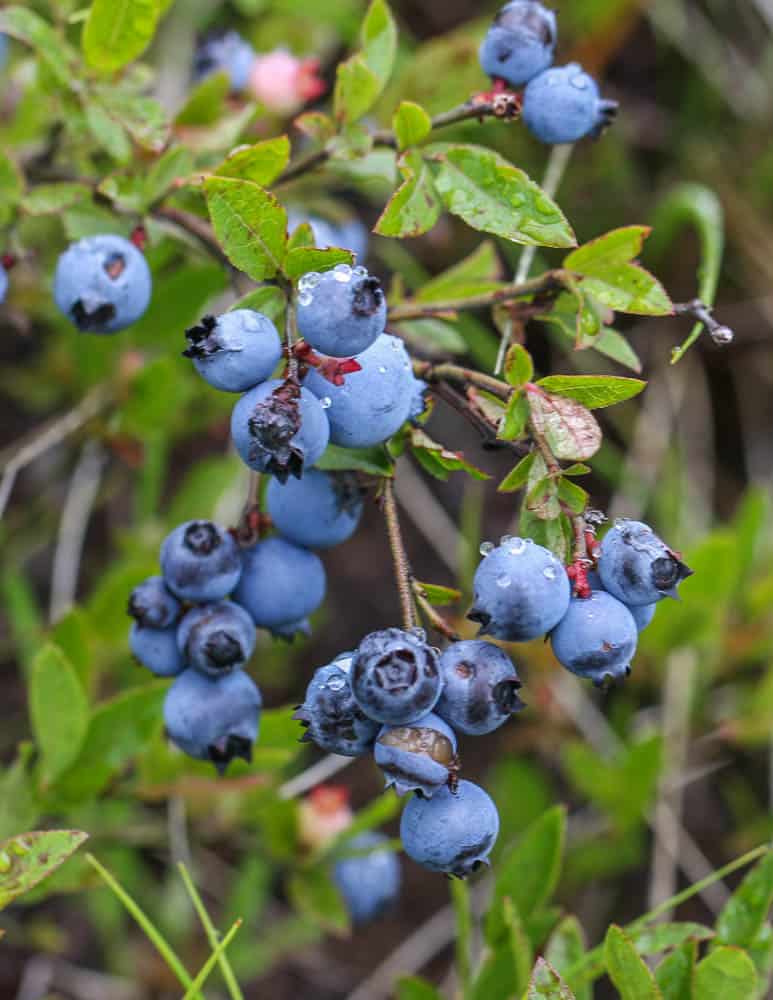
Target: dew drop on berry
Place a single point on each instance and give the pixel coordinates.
(360, 272)
(342, 273)
(503, 581)
(549, 573)
(337, 683)
(326, 402)
(305, 299)
(486, 548)
(505, 539)
(517, 547)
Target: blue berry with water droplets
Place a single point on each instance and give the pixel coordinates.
(453, 832)
(340, 312)
(332, 718)
(235, 351)
(642, 613)
(563, 105)
(480, 687)
(520, 43)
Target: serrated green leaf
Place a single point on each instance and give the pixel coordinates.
(519, 368)
(374, 461)
(564, 949)
(314, 895)
(301, 260)
(631, 977)
(49, 199)
(674, 975)
(411, 124)
(727, 974)
(616, 247)
(31, 29)
(59, 711)
(517, 477)
(175, 164)
(415, 206)
(438, 595)
(413, 988)
(11, 187)
(250, 225)
(118, 31)
(746, 911)
(25, 860)
(492, 195)
(205, 102)
(546, 983)
(593, 391)
(379, 40)
(261, 163)
(569, 428)
(513, 425)
(356, 89)
(269, 300)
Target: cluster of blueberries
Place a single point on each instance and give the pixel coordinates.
(561, 104)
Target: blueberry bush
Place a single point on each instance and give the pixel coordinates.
(282, 289)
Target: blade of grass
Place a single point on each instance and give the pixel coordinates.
(460, 895)
(152, 933)
(210, 930)
(211, 962)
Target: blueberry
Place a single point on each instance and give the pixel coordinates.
(279, 429)
(216, 638)
(157, 649)
(153, 605)
(373, 403)
(521, 591)
(637, 567)
(395, 676)
(281, 583)
(369, 883)
(319, 510)
(452, 832)
(340, 312)
(225, 52)
(596, 638)
(3, 60)
(333, 719)
(213, 719)
(642, 613)
(235, 351)
(563, 105)
(200, 561)
(350, 235)
(520, 43)
(418, 399)
(417, 757)
(102, 284)
(480, 687)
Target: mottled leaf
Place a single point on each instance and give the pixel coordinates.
(546, 983)
(25, 860)
(415, 207)
(261, 163)
(570, 429)
(250, 224)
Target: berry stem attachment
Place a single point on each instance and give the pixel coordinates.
(403, 575)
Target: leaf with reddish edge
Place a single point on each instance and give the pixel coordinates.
(569, 428)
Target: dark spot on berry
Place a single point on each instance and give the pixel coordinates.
(420, 740)
(667, 572)
(274, 423)
(202, 344)
(114, 266)
(464, 670)
(201, 538)
(91, 319)
(483, 618)
(223, 650)
(505, 695)
(367, 297)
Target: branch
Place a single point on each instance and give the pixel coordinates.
(448, 372)
(403, 575)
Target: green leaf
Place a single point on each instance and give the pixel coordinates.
(654, 938)
(505, 972)
(156, 398)
(411, 124)
(176, 163)
(119, 729)
(674, 975)
(379, 41)
(613, 345)
(356, 89)
(29, 28)
(249, 223)
(11, 187)
(569, 428)
(143, 117)
(49, 199)
(542, 492)
(631, 977)
(117, 31)
(431, 332)
(205, 103)
(269, 300)
(727, 974)
(746, 911)
(19, 808)
(315, 125)
(261, 163)
(108, 132)
(519, 368)
(516, 417)
(574, 496)
(438, 595)
(27, 859)
(476, 274)
(374, 461)
(301, 260)
(564, 949)
(59, 711)
(301, 236)
(492, 195)
(529, 872)
(517, 477)
(605, 264)
(546, 982)
(414, 988)
(314, 894)
(415, 207)
(438, 460)
(593, 391)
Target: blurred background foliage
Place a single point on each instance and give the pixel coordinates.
(679, 758)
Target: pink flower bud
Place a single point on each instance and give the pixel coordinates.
(323, 814)
(283, 82)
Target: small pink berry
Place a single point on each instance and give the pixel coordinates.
(284, 82)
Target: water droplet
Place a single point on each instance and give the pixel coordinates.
(503, 581)
(309, 281)
(360, 272)
(505, 539)
(544, 205)
(305, 299)
(549, 573)
(326, 402)
(382, 369)
(722, 335)
(517, 546)
(342, 273)
(486, 548)
(620, 522)
(579, 82)
(344, 661)
(337, 682)
(394, 343)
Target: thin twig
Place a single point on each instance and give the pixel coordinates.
(446, 371)
(313, 776)
(403, 575)
(550, 281)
